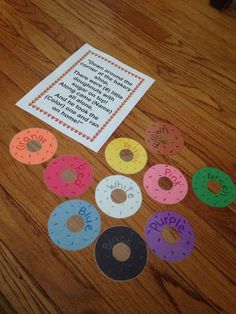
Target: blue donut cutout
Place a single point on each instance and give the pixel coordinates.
(66, 239)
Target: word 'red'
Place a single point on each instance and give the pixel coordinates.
(80, 174)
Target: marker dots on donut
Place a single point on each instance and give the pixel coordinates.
(126, 155)
(121, 253)
(163, 138)
(171, 252)
(225, 195)
(118, 196)
(62, 231)
(33, 146)
(68, 175)
(171, 192)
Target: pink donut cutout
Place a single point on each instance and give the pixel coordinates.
(82, 176)
(172, 196)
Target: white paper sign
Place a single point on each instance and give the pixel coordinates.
(88, 96)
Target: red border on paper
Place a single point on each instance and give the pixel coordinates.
(34, 101)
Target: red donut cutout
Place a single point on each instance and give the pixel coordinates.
(68, 175)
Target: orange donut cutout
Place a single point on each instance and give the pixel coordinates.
(33, 146)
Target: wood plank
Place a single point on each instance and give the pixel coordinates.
(5, 306)
(20, 287)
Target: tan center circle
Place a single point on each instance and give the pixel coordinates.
(121, 252)
(118, 196)
(164, 138)
(165, 183)
(69, 175)
(75, 223)
(214, 187)
(126, 155)
(34, 146)
(170, 235)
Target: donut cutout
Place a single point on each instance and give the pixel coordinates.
(118, 196)
(227, 190)
(164, 138)
(172, 190)
(126, 156)
(33, 146)
(68, 176)
(121, 253)
(60, 227)
(171, 252)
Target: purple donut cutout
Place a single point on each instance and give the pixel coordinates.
(169, 252)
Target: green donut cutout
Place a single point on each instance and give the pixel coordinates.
(200, 187)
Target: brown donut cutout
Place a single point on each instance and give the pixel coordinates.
(163, 138)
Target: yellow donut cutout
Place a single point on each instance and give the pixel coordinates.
(126, 155)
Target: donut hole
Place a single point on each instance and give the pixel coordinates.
(75, 223)
(126, 155)
(121, 252)
(68, 175)
(165, 183)
(214, 187)
(164, 138)
(34, 146)
(170, 235)
(118, 196)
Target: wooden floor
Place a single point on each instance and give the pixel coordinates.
(190, 49)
